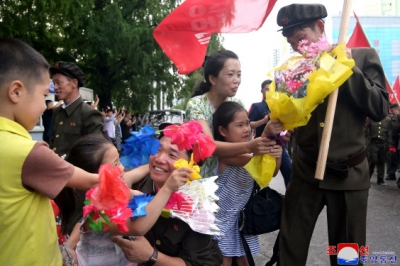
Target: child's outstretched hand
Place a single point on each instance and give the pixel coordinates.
(276, 151)
(273, 127)
(177, 179)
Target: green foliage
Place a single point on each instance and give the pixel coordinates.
(110, 40)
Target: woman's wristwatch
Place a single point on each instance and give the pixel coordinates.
(153, 258)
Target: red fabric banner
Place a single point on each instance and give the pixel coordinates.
(396, 90)
(359, 39)
(185, 33)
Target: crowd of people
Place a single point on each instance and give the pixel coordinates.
(81, 139)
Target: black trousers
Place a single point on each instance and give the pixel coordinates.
(394, 163)
(346, 215)
(377, 157)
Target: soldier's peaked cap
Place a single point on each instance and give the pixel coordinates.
(70, 70)
(296, 14)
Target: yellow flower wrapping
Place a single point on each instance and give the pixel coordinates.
(331, 74)
(261, 167)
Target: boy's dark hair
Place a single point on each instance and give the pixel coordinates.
(224, 115)
(265, 82)
(289, 31)
(212, 65)
(19, 61)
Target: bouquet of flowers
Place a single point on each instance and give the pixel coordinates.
(108, 202)
(303, 82)
(262, 166)
(195, 202)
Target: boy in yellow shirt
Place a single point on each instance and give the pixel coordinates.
(30, 173)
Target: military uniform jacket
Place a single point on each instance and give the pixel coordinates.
(76, 120)
(175, 238)
(362, 95)
(396, 129)
(379, 132)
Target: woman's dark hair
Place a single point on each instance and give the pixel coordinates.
(212, 66)
(224, 115)
(87, 153)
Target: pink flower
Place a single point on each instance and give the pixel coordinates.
(183, 136)
(89, 193)
(203, 148)
(119, 216)
(175, 199)
(293, 85)
(112, 190)
(87, 209)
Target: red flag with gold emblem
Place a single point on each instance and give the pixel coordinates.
(185, 33)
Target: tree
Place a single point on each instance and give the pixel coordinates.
(110, 40)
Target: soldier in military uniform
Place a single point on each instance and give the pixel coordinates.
(74, 118)
(396, 124)
(344, 189)
(394, 155)
(379, 137)
(170, 241)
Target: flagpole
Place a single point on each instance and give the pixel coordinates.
(330, 111)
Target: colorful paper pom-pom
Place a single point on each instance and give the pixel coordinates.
(139, 147)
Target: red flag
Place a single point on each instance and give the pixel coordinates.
(359, 39)
(396, 90)
(184, 34)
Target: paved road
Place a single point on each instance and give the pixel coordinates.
(383, 226)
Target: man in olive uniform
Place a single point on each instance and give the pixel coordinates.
(74, 118)
(379, 137)
(344, 189)
(170, 241)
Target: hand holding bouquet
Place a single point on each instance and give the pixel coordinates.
(303, 82)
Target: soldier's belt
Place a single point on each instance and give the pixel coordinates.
(339, 169)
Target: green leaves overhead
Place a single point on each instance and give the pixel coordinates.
(111, 40)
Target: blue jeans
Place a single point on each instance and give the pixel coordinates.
(286, 166)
